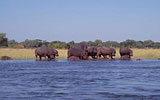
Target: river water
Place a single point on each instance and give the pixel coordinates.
(79, 80)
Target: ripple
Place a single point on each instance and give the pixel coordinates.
(82, 80)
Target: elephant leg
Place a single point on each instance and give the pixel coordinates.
(104, 56)
(111, 56)
(69, 55)
(80, 57)
(121, 56)
(96, 57)
(45, 57)
(48, 58)
(36, 57)
(129, 57)
(40, 57)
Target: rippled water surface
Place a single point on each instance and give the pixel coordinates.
(80, 80)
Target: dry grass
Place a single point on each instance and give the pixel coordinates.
(17, 53)
(29, 53)
(62, 53)
(146, 53)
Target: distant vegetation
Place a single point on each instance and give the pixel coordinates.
(4, 42)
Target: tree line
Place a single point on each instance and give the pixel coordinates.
(5, 42)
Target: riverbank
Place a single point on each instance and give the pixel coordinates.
(29, 53)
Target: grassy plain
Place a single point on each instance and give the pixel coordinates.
(29, 53)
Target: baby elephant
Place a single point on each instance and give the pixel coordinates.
(125, 57)
(73, 58)
(6, 58)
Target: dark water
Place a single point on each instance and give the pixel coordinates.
(80, 80)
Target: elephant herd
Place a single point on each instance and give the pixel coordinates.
(84, 52)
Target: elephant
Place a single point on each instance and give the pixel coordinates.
(46, 52)
(84, 47)
(104, 51)
(52, 53)
(73, 58)
(6, 58)
(78, 52)
(126, 51)
(92, 51)
(125, 57)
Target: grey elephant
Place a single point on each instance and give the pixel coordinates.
(126, 51)
(92, 51)
(78, 52)
(46, 52)
(104, 51)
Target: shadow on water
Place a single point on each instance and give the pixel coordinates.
(79, 80)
